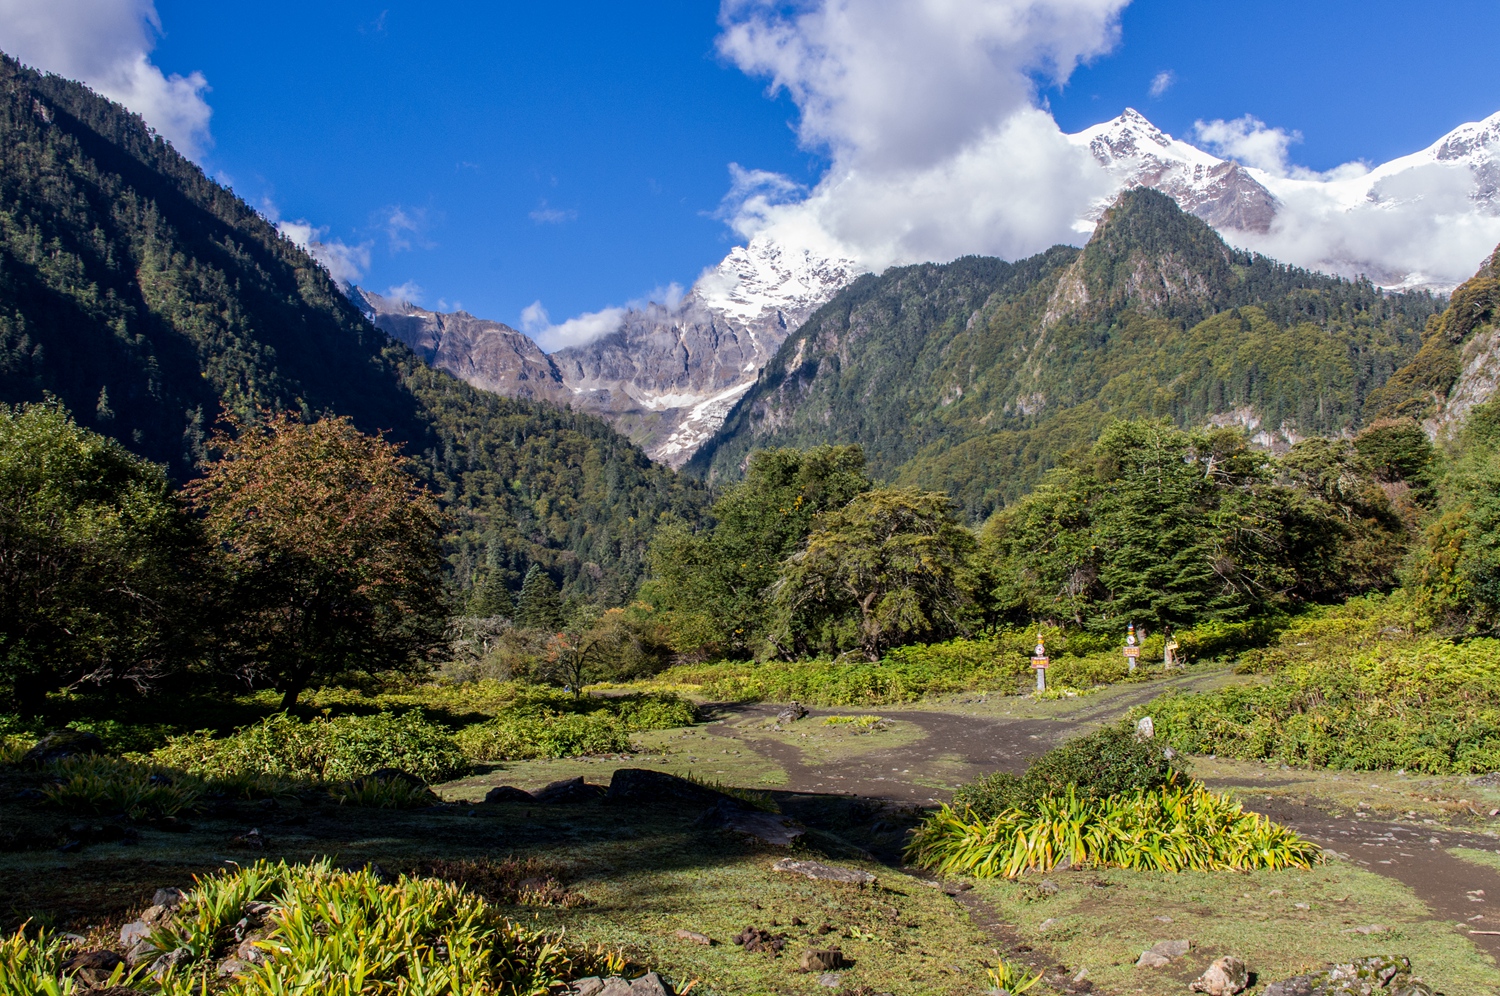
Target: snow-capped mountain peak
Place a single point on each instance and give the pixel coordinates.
(1137, 153)
(764, 279)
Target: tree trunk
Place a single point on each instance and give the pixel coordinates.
(289, 697)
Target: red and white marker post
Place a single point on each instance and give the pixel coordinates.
(1132, 651)
(1039, 663)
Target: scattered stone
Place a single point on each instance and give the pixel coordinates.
(818, 870)
(1083, 973)
(134, 940)
(649, 984)
(755, 939)
(1375, 976)
(821, 959)
(771, 828)
(92, 967)
(64, 743)
(252, 840)
(569, 790)
(1373, 928)
(1145, 728)
(250, 950)
(165, 963)
(589, 986)
(233, 966)
(170, 898)
(791, 713)
(509, 793)
(1163, 953)
(695, 937)
(1225, 977)
(830, 979)
(1047, 887)
(644, 786)
(1047, 923)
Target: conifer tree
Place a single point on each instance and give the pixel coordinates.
(541, 605)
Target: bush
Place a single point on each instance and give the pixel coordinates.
(1107, 762)
(1171, 828)
(323, 749)
(520, 737)
(100, 785)
(1354, 687)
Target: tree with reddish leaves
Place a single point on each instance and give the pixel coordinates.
(332, 547)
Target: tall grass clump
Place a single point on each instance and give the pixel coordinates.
(100, 785)
(311, 928)
(1108, 799)
(31, 965)
(1357, 687)
(1172, 828)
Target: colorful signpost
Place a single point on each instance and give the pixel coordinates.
(1039, 662)
(1131, 650)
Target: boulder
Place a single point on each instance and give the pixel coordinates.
(569, 790)
(63, 743)
(642, 786)
(509, 793)
(821, 960)
(589, 986)
(1225, 977)
(615, 986)
(791, 713)
(394, 775)
(92, 967)
(649, 984)
(731, 814)
(163, 964)
(827, 873)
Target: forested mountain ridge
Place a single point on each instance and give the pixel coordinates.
(145, 296)
(976, 376)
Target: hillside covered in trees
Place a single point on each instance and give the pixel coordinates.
(976, 376)
(148, 299)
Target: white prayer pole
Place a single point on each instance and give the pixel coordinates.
(1132, 651)
(1039, 662)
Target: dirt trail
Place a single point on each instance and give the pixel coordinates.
(957, 748)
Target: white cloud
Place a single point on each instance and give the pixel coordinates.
(1250, 141)
(404, 227)
(927, 110)
(410, 292)
(584, 328)
(345, 263)
(587, 327)
(1162, 82)
(107, 44)
(544, 215)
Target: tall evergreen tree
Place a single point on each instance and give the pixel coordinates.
(541, 605)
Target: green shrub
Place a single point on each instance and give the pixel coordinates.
(323, 749)
(1171, 828)
(1354, 687)
(31, 963)
(1111, 761)
(519, 737)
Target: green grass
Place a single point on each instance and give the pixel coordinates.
(1103, 920)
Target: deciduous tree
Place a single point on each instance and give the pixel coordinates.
(332, 547)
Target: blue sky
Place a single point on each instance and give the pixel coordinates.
(496, 154)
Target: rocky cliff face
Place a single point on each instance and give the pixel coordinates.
(668, 376)
(489, 355)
